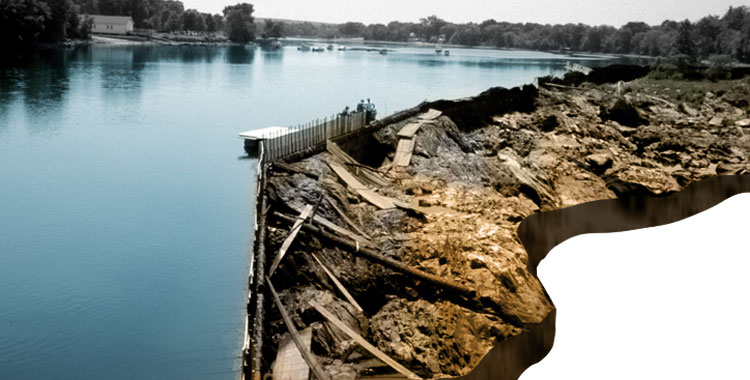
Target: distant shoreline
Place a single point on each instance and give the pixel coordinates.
(131, 40)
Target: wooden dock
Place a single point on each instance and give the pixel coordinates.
(263, 133)
(279, 142)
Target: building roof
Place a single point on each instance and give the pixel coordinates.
(111, 20)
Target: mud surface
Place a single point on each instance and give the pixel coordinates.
(471, 181)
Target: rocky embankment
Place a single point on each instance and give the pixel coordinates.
(477, 170)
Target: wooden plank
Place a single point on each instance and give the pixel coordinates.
(409, 130)
(432, 114)
(379, 201)
(403, 152)
(368, 174)
(377, 257)
(289, 239)
(362, 342)
(289, 363)
(338, 284)
(311, 361)
(365, 241)
(276, 166)
(345, 218)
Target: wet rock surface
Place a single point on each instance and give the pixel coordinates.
(468, 188)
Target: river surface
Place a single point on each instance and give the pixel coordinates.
(126, 202)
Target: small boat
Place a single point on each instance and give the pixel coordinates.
(318, 49)
(438, 51)
(383, 51)
(447, 52)
(330, 47)
(342, 48)
(303, 47)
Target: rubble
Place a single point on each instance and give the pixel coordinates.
(461, 198)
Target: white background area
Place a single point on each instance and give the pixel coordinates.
(669, 302)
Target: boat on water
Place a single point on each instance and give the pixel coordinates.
(383, 51)
(330, 47)
(438, 51)
(342, 48)
(318, 49)
(303, 47)
(446, 52)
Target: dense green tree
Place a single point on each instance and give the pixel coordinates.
(17, 31)
(352, 29)
(376, 32)
(447, 31)
(430, 27)
(219, 22)
(192, 20)
(736, 17)
(239, 22)
(707, 31)
(56, 24)
(276, 31)
(685, 43)
(469, 34)
(399, 31)
(209, 22)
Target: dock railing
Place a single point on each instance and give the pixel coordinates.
(303, 136)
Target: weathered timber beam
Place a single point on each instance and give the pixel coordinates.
(292, 169)
(362, 342)
(296, 338)
(385, 261)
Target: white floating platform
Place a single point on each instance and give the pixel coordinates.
(264, 133)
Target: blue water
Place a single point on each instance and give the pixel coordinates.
(126, 202)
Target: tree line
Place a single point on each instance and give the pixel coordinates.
(26, 23)
(725, 37)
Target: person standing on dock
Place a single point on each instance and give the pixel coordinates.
(369, 111)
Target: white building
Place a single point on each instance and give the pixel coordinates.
(110, 24)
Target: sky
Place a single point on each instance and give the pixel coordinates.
(592, 12)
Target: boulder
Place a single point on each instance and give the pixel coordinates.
(600, 162)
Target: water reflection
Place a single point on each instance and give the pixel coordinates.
(45, 83)
(192, 54)
(121, 71)
(485, 63)
(273, 56)
(240, 55)
(9, 89)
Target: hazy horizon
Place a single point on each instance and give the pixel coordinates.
(591, 12)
